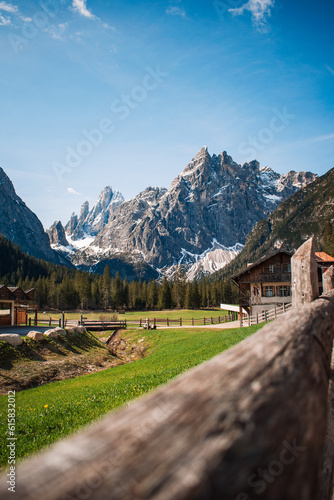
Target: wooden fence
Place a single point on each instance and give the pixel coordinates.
(150, 322)
(183, 322)
(44, 322)
(265, 316)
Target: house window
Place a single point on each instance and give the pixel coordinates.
(283, 291)
(269, 291)
(272, 268)
(5, 309)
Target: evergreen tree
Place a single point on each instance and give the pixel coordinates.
(165, 296)
(106, 284)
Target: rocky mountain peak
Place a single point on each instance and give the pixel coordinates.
(20, 225)
(57, 234)
(5, 182)
(90, 222)
(84, 211)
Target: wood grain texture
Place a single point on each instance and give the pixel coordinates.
(326, 491)
(259, 409)
(328, 279)
(304, 274)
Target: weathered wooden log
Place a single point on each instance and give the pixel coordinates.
(249, 423)
(304, 273)
(328, 280)
(327, 474)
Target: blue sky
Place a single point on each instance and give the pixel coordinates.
(124, 93)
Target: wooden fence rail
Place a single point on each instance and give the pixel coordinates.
(265, 316)
(250, 423)
(183, 322)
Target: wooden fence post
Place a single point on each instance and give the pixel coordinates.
(328, 280)
(167, 322)
(204, 320)
(192, 321)
(140, 322)
(180, 321)
(304, 274)
(327, 479)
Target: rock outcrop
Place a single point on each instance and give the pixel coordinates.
(20, 225)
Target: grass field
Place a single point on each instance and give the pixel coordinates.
(48, 413)
(185, 314)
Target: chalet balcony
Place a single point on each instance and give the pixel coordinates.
(268, 277)
(275, 277)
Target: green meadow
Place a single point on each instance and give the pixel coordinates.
(185, 314)
(48, 413)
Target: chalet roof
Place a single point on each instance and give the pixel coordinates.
(260, 261)
(324, 257)
(15, 293)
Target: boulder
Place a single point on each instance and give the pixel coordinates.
(11, 338)
(80, 329)
(36, 335)
(53, 334)
(60, 331)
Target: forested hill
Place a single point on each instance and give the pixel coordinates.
(60, 287)
(309, 212)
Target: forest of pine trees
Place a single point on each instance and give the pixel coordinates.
(65, 288)
(328, 239)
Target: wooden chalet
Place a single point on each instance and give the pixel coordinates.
(15, 304)
(265, 284)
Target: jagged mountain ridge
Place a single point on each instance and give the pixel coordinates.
(89, 223)
(213, 200)
(303, 215)
(21, 226)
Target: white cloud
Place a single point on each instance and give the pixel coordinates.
(73, 191)
(4, 20)
(176, 11)
(260, 10)
(57, 32)
(81, 7)
(8, 7)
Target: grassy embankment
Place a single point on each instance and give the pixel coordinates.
(53, 411)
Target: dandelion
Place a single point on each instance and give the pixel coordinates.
(46, 406)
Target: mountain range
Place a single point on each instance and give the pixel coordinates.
(309, 212)
(202, 221)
